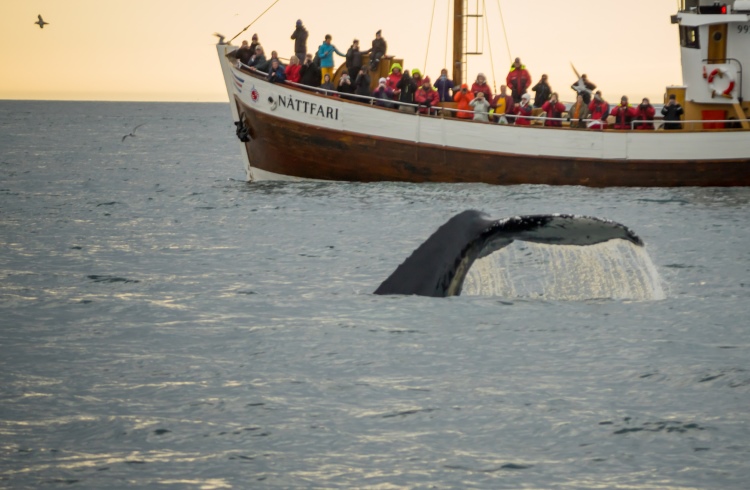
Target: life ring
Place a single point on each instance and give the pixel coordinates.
(719, 73)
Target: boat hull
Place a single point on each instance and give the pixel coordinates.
(297, 134)
(289, 149)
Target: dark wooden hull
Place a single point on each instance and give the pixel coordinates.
(299, 150)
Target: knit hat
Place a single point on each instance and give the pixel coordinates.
(382, 80)
(299, 23)
(416, 71)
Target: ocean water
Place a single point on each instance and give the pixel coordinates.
(164, 324)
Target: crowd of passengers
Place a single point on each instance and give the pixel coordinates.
(411, 91)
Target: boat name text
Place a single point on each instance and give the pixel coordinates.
(312, 108)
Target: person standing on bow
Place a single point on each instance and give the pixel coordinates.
(553, 109)
(518, 80)
(300, 40)
(354, 59)
(325, 53)
(377, 51)
(444, 86)
(542, 91)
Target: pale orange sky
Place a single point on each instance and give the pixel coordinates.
(164, 49)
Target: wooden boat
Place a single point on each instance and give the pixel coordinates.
(296, 133)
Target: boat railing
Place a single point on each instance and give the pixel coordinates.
(442, 111)
(692, 124)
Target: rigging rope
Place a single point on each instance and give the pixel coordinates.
(505, 32)
(447, 29)
(253, 22)
(429, 37)
(489, 43)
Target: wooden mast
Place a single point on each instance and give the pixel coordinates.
(458, 41)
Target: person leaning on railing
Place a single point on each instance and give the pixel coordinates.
(645, 113)
(554, 109)
(578, 112)
(426, 97)
(464, 97)
(522, 110)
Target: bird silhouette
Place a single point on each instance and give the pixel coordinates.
(41, 22)
(132, 133)
(221, 38)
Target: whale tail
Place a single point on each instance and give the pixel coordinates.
(439, 266)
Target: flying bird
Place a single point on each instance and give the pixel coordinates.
(220, 36)
(132, 133)
(41, 22)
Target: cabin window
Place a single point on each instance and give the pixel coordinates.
(689, 37)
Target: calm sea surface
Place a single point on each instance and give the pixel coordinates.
(164, 324)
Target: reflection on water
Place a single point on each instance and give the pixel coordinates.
(615, 270)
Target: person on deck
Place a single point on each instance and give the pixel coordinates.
(406, 89)
(377, 51)
(584, 88)
(354, 59)
(518, 80)
(416, 75)
(362, 83)
(310, 73)
(292, 70)
(444, 86)
(503, 104)
(346, 87)
(542, 92)
(254, 44)
(243, 54)
(480, 85)
(645, 112)
(623, 114)
(426, 97)
(325, 53)
(300, 40)
(394, 77)
(578, 113)
(553, 109)
(276, 72)
(383, 94)
(522, 110)
(672, 111)
(266, 66)
(258, 58)
(327, 84)
(599, 109)
(464, 97)
(481, 107)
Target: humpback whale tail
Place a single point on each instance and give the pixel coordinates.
(439, 266)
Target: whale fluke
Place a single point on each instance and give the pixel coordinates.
(439, 266)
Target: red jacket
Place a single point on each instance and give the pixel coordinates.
(553, 110)
(392, 81)
(645, 114)
(475, 87)
(292, 73)
(429, 97)
(518, 80)
(623, 116)
(599, 109)
(520, 110)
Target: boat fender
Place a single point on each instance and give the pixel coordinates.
(720, 73)
(243, 132)
(273, 103)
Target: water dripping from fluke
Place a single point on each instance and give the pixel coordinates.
(551, 257)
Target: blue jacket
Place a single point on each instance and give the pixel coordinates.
(444, 87)
(325, 53)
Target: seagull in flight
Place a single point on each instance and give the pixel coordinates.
(41, 22)
(132, 133)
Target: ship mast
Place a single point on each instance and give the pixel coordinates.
(459, 58)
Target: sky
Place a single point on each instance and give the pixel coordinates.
(164, 50)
